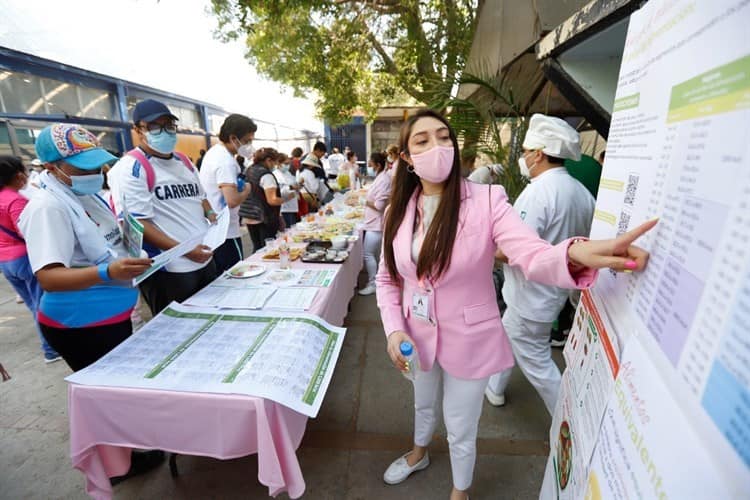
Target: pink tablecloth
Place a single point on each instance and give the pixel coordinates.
(106, 422)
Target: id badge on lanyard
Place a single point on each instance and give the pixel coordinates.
(420, 299)
(420, 306)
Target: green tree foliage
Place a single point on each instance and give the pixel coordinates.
(479, 121)
(354, 54)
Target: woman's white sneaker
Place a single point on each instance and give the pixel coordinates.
(494, 399)
(400, 469)
(368, 290)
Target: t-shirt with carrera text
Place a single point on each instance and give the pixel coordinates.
(175, 206)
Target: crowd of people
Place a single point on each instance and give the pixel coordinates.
(431, 241)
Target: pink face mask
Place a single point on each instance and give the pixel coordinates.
(434, 165)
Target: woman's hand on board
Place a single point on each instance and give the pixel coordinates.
(618, 253)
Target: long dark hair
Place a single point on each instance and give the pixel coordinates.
(379, 160)
(10, 166)
(437, 247)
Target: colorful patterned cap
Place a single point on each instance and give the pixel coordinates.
(72, 143)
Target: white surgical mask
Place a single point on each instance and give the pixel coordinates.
(246, 150)
(524, 168)
(85, 184)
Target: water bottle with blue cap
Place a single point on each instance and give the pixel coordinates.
(412, 361)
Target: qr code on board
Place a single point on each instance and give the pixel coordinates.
(631, 189)
(623, 223)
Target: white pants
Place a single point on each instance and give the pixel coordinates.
(372, 246)
(462, 406)
(530, 342)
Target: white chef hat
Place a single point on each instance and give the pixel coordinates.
(553, 136)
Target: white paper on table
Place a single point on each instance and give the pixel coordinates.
(217, 233)
(207, 297)
(296, 277)
(231, 297)
(288, 358)
(273, 277)
(297, 298)
(168, 256)
(246, 298)
(317, 277)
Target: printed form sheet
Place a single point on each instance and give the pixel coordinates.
(224, 295)
(288, 359)
(321, 278)
(679, 150)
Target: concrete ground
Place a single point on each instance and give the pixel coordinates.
(365, 423)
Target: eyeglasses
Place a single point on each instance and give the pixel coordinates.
(156, 129)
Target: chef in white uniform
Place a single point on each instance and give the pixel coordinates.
(557, 207)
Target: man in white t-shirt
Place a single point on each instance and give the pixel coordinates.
(170, 202)
(335, 160)
(219, 177)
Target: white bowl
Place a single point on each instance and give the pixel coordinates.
(339, 242)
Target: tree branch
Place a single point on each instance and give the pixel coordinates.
(391, 67)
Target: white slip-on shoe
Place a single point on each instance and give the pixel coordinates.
(400, 469)
(368, 290)
(494, 399)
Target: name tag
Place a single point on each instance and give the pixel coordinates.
(420, 306)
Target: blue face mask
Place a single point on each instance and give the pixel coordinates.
(163, 142)
(85, 184)
(370, 172)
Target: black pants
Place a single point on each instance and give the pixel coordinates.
(259, 233)
(228, 254)
(290, 218)
(164, 287)
(81, 347)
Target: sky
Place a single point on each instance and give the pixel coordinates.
(136, 39)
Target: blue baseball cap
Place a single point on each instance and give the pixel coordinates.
(149, 110)
(72, 143)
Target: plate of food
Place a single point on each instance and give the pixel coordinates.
(325, 256)
(246, 270)
(280, 275)
(564, 458)
(355, 214)
(294, 253)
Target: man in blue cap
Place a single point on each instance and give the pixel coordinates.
(161, 188)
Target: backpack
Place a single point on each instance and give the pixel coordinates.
(150, 174)
(12, 234)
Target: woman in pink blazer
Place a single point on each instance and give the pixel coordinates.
(435, 289)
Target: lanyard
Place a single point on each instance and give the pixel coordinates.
(421, 233)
